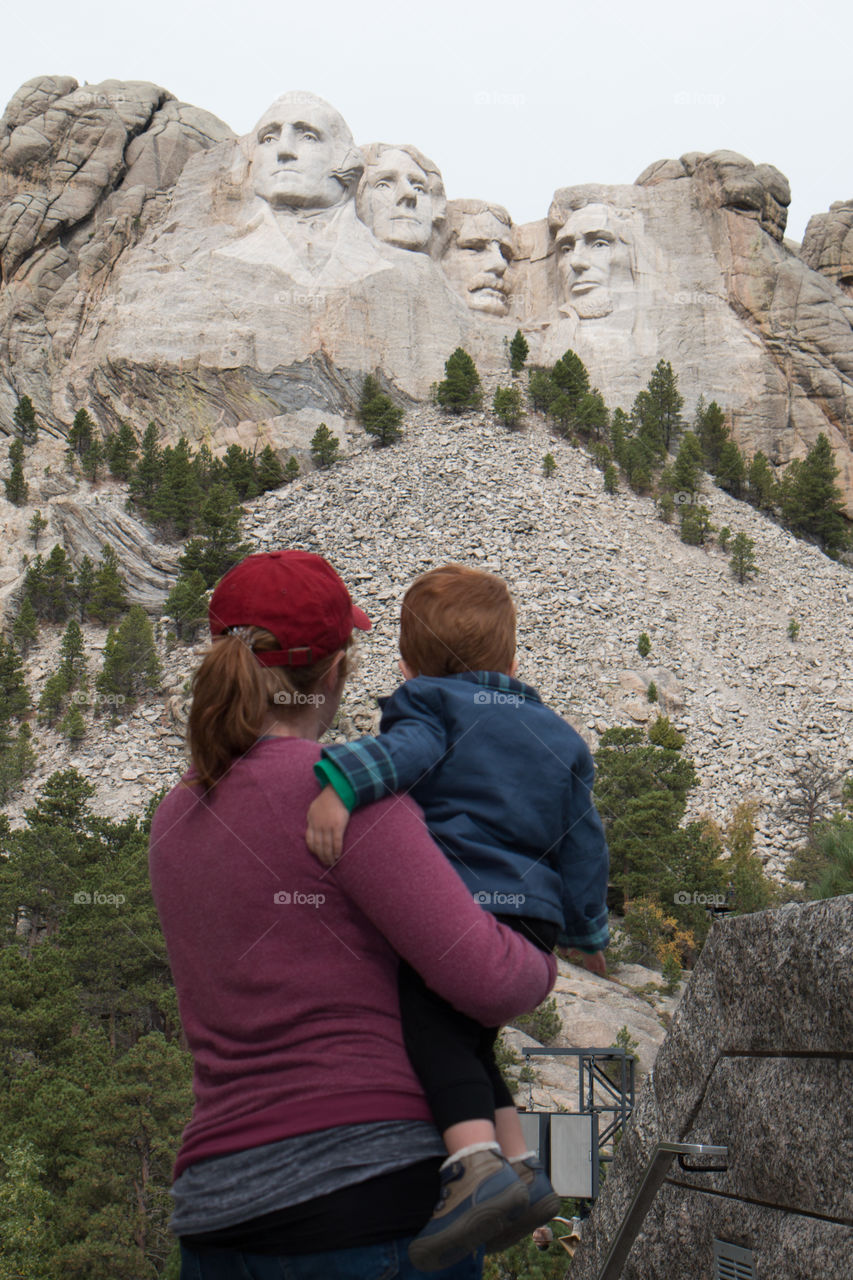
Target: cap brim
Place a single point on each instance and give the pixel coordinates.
(360, 619)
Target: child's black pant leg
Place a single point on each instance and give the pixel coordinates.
(451, 1054)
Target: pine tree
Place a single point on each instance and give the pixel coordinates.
(570, 376)
(240, 472)
(549, 466)
(611, 479)
(109, 593)
(17, 489)
(217, 547)
(52, 698)
(541, 389)
(378, 413)
(712, 430)
(122, 452)
(731, 469)
(637, 463)
(762, 483)
(24, 418)
(73, 726)
(811, 501)
(743, 559)
(507, 405)
(131, 666)
(270, 473)
(641, 793)
(620, 429)
(461, 389)
(175, 506)
(291, 471)
(696, 525)
(17, 761)
(518, 351)
(36, 527)
(81, 434)
(84, 586)
(25, 629)
(666, 402)
(57, 587)
(591, 416)
(93, 460)
(644, 644)
(14, 691)
(325, 447)
(146, 475)
(72, 655)
(187, 604)
(687, 468)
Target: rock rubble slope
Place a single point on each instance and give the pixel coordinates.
(589, 572)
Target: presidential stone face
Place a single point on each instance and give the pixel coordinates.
(400, 196)
(478, 253)
(303, 156)
(593, 260)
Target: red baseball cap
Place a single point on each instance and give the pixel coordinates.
(295, 595)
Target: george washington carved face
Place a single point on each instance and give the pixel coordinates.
(303, 156)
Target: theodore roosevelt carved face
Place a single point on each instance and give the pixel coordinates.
(478, 253)
(401, 196)
(593, 259)
(304, 157)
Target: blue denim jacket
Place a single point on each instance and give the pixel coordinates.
(505, 785)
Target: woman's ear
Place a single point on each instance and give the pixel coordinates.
(408, 673)
(513, 667)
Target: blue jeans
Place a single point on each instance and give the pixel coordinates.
(371, 1262)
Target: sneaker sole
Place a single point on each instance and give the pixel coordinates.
(537, 1215)
(478, 1226)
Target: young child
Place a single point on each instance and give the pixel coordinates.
(505, 786)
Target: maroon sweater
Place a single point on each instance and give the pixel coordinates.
(290, 1007)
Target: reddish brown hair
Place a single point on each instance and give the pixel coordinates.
(457, 619)
(232, 694)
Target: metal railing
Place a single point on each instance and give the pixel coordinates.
(655, 1173)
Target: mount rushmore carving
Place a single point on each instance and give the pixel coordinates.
(153, 265)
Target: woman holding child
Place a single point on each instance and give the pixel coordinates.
(311, 1153)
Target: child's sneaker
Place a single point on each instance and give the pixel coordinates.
(480, 1197)
(543, 1203)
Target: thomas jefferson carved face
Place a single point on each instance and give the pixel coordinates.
(593, 261)
(476, 261)
(302, 150)
(395, 200)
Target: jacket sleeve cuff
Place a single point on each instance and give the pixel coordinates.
(328, 774)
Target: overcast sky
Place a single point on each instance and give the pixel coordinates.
(511, 100)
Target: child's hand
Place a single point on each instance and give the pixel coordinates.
(595, 963)
(327, 821)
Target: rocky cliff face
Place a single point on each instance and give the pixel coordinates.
(155, 266)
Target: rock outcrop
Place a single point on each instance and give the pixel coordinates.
(758, 1060)
(155, 266)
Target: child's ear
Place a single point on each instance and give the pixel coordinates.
(408, 673)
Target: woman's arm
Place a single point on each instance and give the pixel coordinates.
(400, 879)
